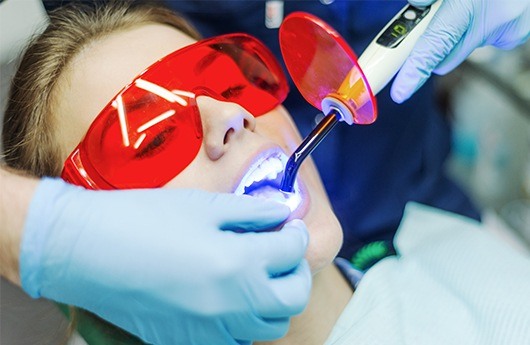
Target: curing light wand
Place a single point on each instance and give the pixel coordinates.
(328, 75)
(306, 147)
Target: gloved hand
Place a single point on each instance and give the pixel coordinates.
(456, 30)
(159, 264)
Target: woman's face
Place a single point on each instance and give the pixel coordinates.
(234, 141)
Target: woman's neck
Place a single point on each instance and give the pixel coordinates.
(329, 296)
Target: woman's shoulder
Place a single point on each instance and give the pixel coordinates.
(450, 282)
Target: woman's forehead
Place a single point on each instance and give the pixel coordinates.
(112, 62)
(100, 70)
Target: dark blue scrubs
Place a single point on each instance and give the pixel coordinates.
(370, 172)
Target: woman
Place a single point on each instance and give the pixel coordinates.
(234, 133)
(76, 81)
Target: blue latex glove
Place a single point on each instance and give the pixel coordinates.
(158, 264)
(456, 30)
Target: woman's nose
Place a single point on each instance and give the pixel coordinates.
(222, 124)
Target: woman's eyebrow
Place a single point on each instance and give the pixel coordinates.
(207, 60)
(229, 50)
(130, 106)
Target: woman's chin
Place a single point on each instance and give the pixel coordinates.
(325, 236)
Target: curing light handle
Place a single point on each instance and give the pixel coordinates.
(314, 138)
(385, 55)
(382, 59)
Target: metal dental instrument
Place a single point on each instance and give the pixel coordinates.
(326, 71)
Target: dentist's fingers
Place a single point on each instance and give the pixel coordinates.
(290, 293)
(279, 256)
(504, 27)
(259, 328)
(446, 29)
(459, 53)
(282, 250)
(245, 213)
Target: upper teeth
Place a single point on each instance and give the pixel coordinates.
(267, 169)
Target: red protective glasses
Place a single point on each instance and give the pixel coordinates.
(151, 130)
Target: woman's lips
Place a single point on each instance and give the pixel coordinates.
(262, 179)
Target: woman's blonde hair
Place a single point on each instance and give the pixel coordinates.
(28, 135)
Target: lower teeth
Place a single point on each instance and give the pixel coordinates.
(268, 192)
(292, 200)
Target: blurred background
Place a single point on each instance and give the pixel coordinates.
(488, 101)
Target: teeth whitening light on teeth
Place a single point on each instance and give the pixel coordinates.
(326, 71)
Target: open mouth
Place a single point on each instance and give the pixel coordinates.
(263, 180)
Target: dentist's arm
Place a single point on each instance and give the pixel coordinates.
(161, 264)
(458, 28)
(15, 196)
